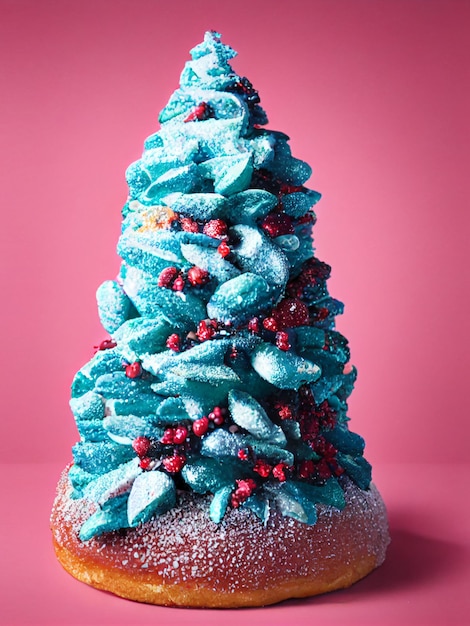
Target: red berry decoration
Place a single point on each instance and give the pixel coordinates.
(200, 426)
(174, 464)
(223, 249)
(216, 412)
(290, 313)
(201, 112)
(106, 344)
(178, 284)
(145, 463)
(285, 412)
(279, 472)
(243, 491)
(198, 276)
(215, 228)
(167, 276)
(262, 468)
(141, 446)
(181, 432)
(253, 325)
(173, 342)
(242, 455)
(270, 324)
(168, 436)
(276, 224)
(282, 341)
(133, 370)
(205, 330)
(189, 225)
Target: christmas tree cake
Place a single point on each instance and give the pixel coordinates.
(215, 465)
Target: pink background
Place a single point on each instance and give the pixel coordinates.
(375, 96)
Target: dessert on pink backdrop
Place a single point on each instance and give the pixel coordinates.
(375, 97)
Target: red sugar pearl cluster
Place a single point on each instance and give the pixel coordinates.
(284, 411)
(189, 225)
(141, 446)
(306, 469)
(279, 472)
(171, 278)
(197, 276)
(206, 329)
(174, 342)
(262, 468)
(245, 488)
(174, 464)
(254, 325)
(269, 323)
(217, 415)
(175, 435)
(282, 341)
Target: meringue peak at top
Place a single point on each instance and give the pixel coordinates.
(214, 51)
(209, 71)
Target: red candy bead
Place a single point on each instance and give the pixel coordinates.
(223, 249)
(270, 324)
(215, 228)
(178, 284)
(174, 464)
(279, 472)
(145, 463)
(242, 455)
(181, 432)
(243, 491)
(133, 370)
(168, 436)
(200, 426)
(173, 342)
(323, 469)
(282, 341)
(200, 113)
(285, 412)
(167, 276)
(141, 446)
(198, 276)
(262, 468)
(205, 330)
(106, 344)
(253, 325)
(189, 225)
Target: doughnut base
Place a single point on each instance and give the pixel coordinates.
(182, 558)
